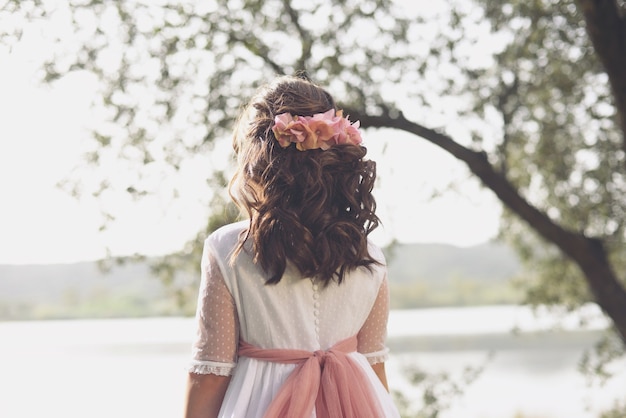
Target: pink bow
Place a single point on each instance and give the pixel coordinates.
(330, 381)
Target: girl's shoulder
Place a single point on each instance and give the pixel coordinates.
(232, 228)
(376, 252)
(226, 237)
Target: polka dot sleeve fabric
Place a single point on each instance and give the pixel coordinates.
(214, 350)
(371, 337)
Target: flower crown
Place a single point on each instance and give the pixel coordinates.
(321, 130)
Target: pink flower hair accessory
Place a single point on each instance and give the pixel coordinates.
(322, 130)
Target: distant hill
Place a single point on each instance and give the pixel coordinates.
(419, 274)
(39, 283)
(79, 290)
(428, 275)
(489, 262)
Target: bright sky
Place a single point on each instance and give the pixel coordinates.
(41, 132)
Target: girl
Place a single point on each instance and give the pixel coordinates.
(293, 304)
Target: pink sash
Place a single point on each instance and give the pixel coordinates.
(330, 381)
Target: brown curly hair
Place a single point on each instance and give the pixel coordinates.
(314, 208)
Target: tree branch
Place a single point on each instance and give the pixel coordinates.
(503, 99)
(606, 26)
(588, 253)
(259, 49)
(305, 37)
(478, 164)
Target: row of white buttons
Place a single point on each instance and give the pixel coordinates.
(316, 310)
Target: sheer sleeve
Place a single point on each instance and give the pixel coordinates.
(371, 337)
(214, 350)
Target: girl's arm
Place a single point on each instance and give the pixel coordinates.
(379, 369)
(215, 347)
(371, 337)
(204, 396)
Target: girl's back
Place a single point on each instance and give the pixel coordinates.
(293, 304)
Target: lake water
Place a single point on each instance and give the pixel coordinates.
(135, 367)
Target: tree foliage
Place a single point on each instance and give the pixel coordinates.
(437, 391)
(530, 95)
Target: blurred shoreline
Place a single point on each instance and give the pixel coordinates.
(135, 366)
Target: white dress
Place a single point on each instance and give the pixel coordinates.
(234, 302)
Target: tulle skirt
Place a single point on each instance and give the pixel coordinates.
(255, 383)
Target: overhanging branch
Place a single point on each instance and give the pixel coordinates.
(588, 253)
(258, 48)
(606, 26)
(305, 37)
(480, 166)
